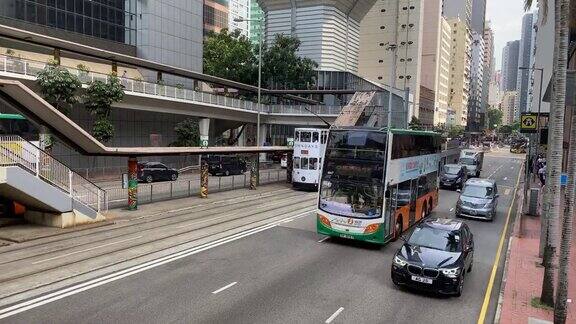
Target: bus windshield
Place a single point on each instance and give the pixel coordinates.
(468, 161)
(353, 174)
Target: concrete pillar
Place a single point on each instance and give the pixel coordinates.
(132, 183)
(242, 137)
(254, 172)
(56, 55)
(263, 140)
(289, 166)
(203, 179)
(204, 128)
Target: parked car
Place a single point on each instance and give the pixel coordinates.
(435, 257)
(453, 176)
(478, 199)
(156, 171)
(225, 165)
(284, 161)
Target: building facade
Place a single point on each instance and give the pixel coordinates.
(489, 68)
(328, 31)
(478, 17)
(435, 66)
(458, 9)
(475, 108)
(257, 22)
(508, 107)
(392, 32)
(525, 59)
(460, 60)
(215, 15)
(543, 59)
(239, 10)
(510, 66)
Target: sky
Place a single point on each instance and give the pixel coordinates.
(506, 20)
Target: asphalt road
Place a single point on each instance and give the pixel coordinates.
(289, 274)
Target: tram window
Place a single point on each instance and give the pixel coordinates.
(315, 137)
(313, 164)
(305, 137)
(296, 163)
(304, 163)
(297, 136)
(323, 137)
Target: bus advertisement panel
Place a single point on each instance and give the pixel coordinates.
(376, 183)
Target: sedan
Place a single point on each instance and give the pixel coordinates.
(453, 176)
(155, 171)
(435, 257)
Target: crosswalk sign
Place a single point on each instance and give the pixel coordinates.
(528, 123)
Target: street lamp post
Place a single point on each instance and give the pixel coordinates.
(260, 21)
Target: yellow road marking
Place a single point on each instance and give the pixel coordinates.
(490, 286)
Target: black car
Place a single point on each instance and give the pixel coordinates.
(225, 165)
(435, 257)
(155, 171)
(453, 176)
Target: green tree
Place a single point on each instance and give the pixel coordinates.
(505, 129)
(230, 56)
(494, 118)
(187, 133)
(282, 68)
(415, 124)
(58, 86)
(455, 131)
(98, 101)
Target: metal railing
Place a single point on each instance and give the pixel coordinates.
(159, 191)
(15, 151)
(31, 68)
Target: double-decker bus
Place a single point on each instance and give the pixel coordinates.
(377, 183)
(309, 146)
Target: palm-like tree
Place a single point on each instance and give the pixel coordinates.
(554, 166)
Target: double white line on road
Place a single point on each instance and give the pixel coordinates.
(59, 294)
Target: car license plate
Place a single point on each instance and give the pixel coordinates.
(422, 279)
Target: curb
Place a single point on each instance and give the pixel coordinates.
(517, 221)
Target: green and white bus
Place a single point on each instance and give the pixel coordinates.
(377, 183)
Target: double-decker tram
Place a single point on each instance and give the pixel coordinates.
(377, 183)
(309, 146)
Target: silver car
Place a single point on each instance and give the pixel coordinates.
(478, 199)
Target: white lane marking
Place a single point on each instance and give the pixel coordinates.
(505, 178)
(86, 250)
(494, 172)
(224, 288)
(73, 290)
(452, 209)
(507, 191)
(324, 239)
(511, 168)
(336, 313)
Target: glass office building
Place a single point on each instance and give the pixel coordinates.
(113, 20)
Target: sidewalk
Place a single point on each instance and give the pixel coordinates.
(524, 278)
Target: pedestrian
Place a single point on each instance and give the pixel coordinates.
(542, 175)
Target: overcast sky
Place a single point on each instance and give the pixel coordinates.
(506, 21)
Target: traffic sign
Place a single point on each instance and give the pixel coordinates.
(290, 141)
(528, 123)
(203, 141)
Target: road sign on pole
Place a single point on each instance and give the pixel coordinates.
(528, 123)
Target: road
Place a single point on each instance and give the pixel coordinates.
(279, 273)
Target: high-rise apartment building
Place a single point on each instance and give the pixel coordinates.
(508, 107)
(215, 15)
(478, 18)
(435, 66)
(525, 59)
(476, 82)
(165, 31)
(328, 31)
(494, 94)
(458, 9)
(460, 60)
(510, 66)
(239, 10)
(489, 68)
(256, 22)
(543, 59)
(392, 32)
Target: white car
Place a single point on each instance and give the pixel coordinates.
(284, 161)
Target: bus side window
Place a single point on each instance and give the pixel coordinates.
(315, 137)
(296, 163)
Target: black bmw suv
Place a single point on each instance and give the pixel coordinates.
(435, 257)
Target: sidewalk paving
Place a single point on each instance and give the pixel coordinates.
(524, 278)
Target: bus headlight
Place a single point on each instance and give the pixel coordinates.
(372, 228)
(325, 221)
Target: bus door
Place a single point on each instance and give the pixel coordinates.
(391, 206)
(413, 198)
